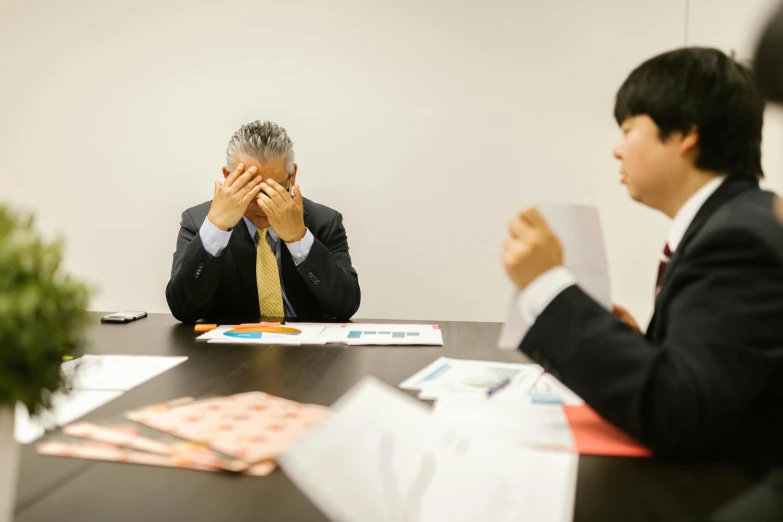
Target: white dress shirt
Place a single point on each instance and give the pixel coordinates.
(534, 299)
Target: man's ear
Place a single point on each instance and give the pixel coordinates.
(690, 141)
(225, 172)
(293, 175)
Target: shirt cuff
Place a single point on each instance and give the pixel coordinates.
(301, 249)
(534, 299)
(213, 239)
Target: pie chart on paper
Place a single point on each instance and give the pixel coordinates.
(259, 331)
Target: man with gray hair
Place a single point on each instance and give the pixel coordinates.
(230, 260)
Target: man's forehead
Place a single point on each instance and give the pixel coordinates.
(275, 169)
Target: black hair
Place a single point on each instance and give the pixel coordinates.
(768, 61)
(704, 88)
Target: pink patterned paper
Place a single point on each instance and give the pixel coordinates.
(112, 453)
(250, 426)
(122, 436)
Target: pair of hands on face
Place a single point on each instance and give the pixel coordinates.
(533, 249)
(241, 187)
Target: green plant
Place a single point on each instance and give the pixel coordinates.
(42, 314)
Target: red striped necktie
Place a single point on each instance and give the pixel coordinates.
(666, 256)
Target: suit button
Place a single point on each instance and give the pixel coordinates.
(200, 266)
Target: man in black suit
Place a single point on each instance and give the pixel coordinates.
(230, 260)
(706, 380)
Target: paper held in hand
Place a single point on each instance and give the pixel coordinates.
(584, 254)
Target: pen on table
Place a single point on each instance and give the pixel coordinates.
(499, 386)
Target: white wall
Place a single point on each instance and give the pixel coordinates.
(428, 124)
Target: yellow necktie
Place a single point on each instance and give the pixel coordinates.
(270, 295)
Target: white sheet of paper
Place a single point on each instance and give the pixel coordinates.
(309, 333)
(66, 408)
(584, 254)
(447, 376)
(368, 334)
(515, 422)
(383, 458)
(116, 372)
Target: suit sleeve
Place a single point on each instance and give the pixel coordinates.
(722, 342)
(329, 275)
(194, 275)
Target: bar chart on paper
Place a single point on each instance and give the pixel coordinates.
(385, 334)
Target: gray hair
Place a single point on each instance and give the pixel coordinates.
(264, 141)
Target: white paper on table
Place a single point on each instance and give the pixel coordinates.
(116, 372)
(548, 386)
(447, 376)
(66, 408)
(584, 254)
(368, 334)
(382, 457)
(308, 333)
(515, 422)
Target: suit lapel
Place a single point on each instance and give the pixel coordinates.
(245, 255)
(729, 189)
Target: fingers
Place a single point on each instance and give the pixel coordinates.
(266, 205)
(275, 192)
(520, 229)
(248, 187)
(298, 195)
(512, 250)
(234, 175)
(532, 216)
(243, 180)
(215, 191)
(251, 194)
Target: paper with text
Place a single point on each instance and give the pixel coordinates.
(447, 376)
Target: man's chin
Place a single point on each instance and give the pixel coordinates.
(259, 221)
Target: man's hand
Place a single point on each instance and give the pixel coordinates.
(625, 316)
(532, 248)
(285, 214)
(231, 198)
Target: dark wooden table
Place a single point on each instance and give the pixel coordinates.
(55, 489)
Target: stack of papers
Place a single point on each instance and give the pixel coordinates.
(469, 378)
(242, 433)
(95, 380)
(383, 457)
(356, 334)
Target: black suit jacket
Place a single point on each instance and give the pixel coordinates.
(707, 378)
(324, 286)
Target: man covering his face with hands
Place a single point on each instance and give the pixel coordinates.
(258, 248)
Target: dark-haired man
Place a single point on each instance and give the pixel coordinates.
(706, 380)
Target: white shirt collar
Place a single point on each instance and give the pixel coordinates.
(684, 217)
